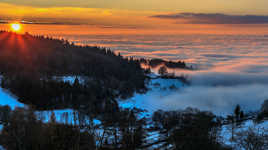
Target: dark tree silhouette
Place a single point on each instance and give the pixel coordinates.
(163, 70)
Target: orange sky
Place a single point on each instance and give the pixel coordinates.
(122, 13)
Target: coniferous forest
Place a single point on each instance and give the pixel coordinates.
(29, 65)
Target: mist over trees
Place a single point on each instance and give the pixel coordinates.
(170, 64)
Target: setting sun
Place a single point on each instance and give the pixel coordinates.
(15, 27)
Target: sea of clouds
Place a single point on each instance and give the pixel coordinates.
(230, 69)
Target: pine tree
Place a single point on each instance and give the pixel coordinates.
(237, 112)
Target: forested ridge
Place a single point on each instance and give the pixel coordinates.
(29, 64)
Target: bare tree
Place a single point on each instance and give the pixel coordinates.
(251, 139)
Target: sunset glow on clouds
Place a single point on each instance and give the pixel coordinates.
(231, 70)
(197, 6)
(73, 15)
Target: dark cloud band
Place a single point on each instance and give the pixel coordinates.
(201, 18)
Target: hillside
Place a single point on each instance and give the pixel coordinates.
(29, 64)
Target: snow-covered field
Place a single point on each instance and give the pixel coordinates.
(1, 148)
(67, 116)
(226, 131)
(158, 89)
(7, 99)
(69, 79)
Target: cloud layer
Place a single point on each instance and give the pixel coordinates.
(217, 18)
(233, 70)
(218, 92)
